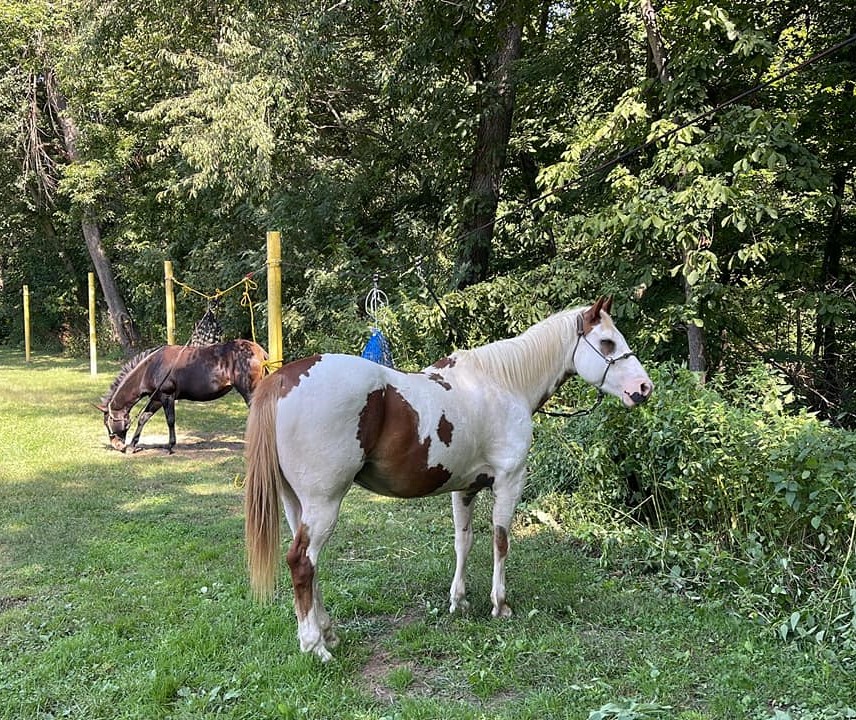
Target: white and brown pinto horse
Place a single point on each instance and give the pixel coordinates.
(319, 424)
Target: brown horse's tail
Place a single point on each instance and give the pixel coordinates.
(262, 515)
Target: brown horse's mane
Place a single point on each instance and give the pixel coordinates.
(126, 368)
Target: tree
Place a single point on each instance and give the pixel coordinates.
(123, 325)
(495, 113)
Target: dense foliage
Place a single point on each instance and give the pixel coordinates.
(358, 128)
(725, 491)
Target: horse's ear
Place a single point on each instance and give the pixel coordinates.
(607, 305)
(591, 316)
(101, 408)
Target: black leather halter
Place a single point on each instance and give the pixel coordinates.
(581, 335)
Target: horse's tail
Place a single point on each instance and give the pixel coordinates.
(261, 492)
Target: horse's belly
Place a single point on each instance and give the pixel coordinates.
(415, 482)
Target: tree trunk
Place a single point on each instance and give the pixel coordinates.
(696, 355)
(658, 67)
(120, 318)
(657, 53)
(497, 111)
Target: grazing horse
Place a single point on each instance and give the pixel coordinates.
(178, 372)
(464, 424)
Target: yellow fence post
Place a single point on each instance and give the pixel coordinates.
(170, 302)
(93, 339)
(27, 323)
(274, 292)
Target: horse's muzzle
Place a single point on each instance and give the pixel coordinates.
(637, 397)
(117, 443)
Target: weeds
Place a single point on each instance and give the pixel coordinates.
(738, 501)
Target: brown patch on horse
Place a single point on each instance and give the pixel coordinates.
(396, 459)
(445, 362)
(500, 540)
(440, 380)
(482, 481)
(289, 376)
(302, 572)
(371, 420)
(444, 431)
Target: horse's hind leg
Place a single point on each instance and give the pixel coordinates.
(314, 627)
(169, 412)
(463, 505)
(293, 513)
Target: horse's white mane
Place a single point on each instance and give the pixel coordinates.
(525, 362)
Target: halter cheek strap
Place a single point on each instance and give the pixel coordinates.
(112, 420)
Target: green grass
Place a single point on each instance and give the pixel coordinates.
(123, 595)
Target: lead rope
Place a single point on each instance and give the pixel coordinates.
(576, 413)
(587, 411)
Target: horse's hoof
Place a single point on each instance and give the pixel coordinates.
(320, 649)
(461, 605)
(323, 653)
(503, 611)
(134, 449)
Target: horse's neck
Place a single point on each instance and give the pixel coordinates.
(532, 365)
(132, 386)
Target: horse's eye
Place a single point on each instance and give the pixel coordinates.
(607, 347)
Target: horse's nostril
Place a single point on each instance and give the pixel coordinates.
(642, 394)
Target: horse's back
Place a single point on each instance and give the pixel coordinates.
(207, 372)
(326, 390)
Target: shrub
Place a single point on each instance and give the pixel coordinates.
(719, 488)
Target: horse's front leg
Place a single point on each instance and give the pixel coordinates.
(169, 412)
(463, 504)
(151, 408)
(506, 497)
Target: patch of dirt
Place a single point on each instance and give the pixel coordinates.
(190, 445)
(381, 664)
(10, 603)
(376, 671)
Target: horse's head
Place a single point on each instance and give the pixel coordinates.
(602, 357)
(117, 424)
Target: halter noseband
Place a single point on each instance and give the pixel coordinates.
(581, 335)
(111, 421)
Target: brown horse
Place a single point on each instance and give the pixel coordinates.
(178, 372)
